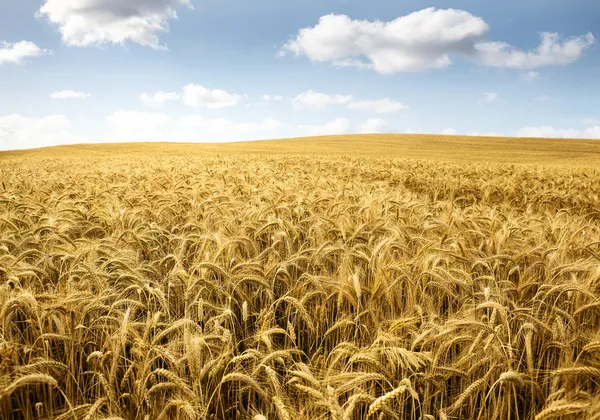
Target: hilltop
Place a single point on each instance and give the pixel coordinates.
(570, 152)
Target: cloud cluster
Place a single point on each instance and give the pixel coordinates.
(375, 126)
(571, 133)
(337, 126)
(19, 52)
(194, 95)
(17, 131)
(69, 94)
(96, 22)
(201, 97)
(418, 41)
(149, 126)
(130, 125)
(423, 40)
(453, 132)
(317, 100)
(552, 51)
(123, 125)
(344, 126)
(127, 125)
(198, 96)
(211, 126)
(590, 130)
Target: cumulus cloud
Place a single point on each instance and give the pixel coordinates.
(194, 95)
(549, 131)
(375, 126)
(337, 126)
(132, 125)
(418, 41)
(129, 125)
(69, 94)
(201, 97)
(317, 100)
(423, 40)
(19, 52)
(344, 126)
(552, 51)
(159, 98)
(201, 125)
(96, 22)
(20, 132)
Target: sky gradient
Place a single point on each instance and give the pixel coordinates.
(74, 71)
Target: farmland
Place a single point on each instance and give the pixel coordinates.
(380, 277)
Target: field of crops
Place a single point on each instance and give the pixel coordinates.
(156, 285)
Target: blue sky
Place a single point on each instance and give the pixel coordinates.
(75, 71)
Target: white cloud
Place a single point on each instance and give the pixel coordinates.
(375, 126)
(489, 97)
(344, 126)
(448, 131)
(353, 62)
(337, 126)
(381, 106)
(194, 95)
(69, 94)
(197, 124)
(202, 97)
(423, 40)
(159, 98)
(530, 75)
(130, 125)
(19, 52)
(271, 124)
(19, 132)
(552, 51)
(316, 100)
(96, 22)
(549, 131)
(418, 41)
(272, 98)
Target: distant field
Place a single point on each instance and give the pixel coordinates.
(353, 277)
(569, 152)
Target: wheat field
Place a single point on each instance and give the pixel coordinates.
(336, 278)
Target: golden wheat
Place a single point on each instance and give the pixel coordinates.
(142, 286)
